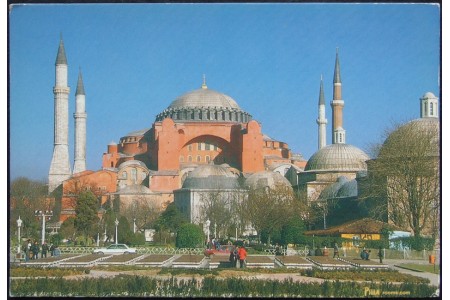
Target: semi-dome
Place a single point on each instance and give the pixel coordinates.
(211, 176)
(265, 179)
(348, 189)
(338, 157)
(204, 105)
(332, 190)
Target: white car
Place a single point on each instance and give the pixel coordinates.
(115, 249)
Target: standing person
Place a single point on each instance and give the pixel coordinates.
(52, 249)
(380, 254)
(336, 250)
(44, 250)
(242, 256)
(35, 250)
(232, 257)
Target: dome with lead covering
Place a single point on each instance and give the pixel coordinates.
(204, 105)
(211, 177)
(338, 157)
(265, 179)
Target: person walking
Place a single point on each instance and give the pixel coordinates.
(35, 250)
(380, 254)
(242, 256)
(44, 250)
(335, 250)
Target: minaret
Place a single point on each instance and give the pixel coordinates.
(429, 106)
(322, 121)
(337, 105)
(60, 166)
(80, 127)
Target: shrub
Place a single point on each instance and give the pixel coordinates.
(189, 236)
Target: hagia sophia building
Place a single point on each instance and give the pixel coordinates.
(202, 140)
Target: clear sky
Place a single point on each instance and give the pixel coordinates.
(137, 58)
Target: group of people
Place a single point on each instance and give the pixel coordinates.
(238, 253)
(32, 250)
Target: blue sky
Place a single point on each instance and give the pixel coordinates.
(137, 58)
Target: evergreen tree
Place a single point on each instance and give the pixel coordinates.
(86, 218)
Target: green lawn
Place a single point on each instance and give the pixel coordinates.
(421, 267)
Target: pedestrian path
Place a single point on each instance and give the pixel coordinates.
(434, 278)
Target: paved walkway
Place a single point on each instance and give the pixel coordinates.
(434, 278)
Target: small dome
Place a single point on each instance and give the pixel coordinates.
(265, 179)
(414, 129)
(428, 95)
(338, 157)
(132, 163)
(204, 98)
(211, 177)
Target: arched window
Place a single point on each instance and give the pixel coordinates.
(199, 146)
(199, 159)
(207, 146)
(207, 158)
(189, 147)
(189, 158)
(431, 108)
(181, 158)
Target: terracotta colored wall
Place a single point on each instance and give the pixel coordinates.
(163, 183)
(252, 152)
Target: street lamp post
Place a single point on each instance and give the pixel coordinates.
(43, 214)
(117, 223)
(134, 225)
(215, 229)
(19, 224)
(208, 222)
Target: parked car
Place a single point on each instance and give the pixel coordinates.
(115, 249)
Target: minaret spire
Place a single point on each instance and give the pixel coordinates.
(60, 165)
(321, 120)
(337, 105)
(80, 117)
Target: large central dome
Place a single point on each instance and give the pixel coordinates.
(204, 98)
(204, 105)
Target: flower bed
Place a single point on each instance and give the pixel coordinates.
(48, 261)
(84, 261)
(219, 261)
(361, 263)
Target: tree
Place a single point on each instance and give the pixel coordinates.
(67, 229)
(86, 219)
(26, 196)
(189, 236)
(268, 209)
(404, 178)
(142, 209)
(292, 231)
(170, 219)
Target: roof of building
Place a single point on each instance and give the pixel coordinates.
(348, 189)
(332, 190)
(133, 190)
(204, 97)
(338, 157)
(132, 163)
(265, 179)
(137, 132)
(366, 225)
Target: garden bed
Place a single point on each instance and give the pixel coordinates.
(189, 261)
(293, 262)
(327, 263)
(84, 261)
(48, 261)
(123, 259)
(219, 261)
(259, 261)
(154, 260)
(361, 263)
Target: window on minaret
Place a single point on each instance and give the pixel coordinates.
(431, 108)
(426, 108)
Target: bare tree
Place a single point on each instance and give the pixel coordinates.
(142, 210)
(267, 209)
(404, 178)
